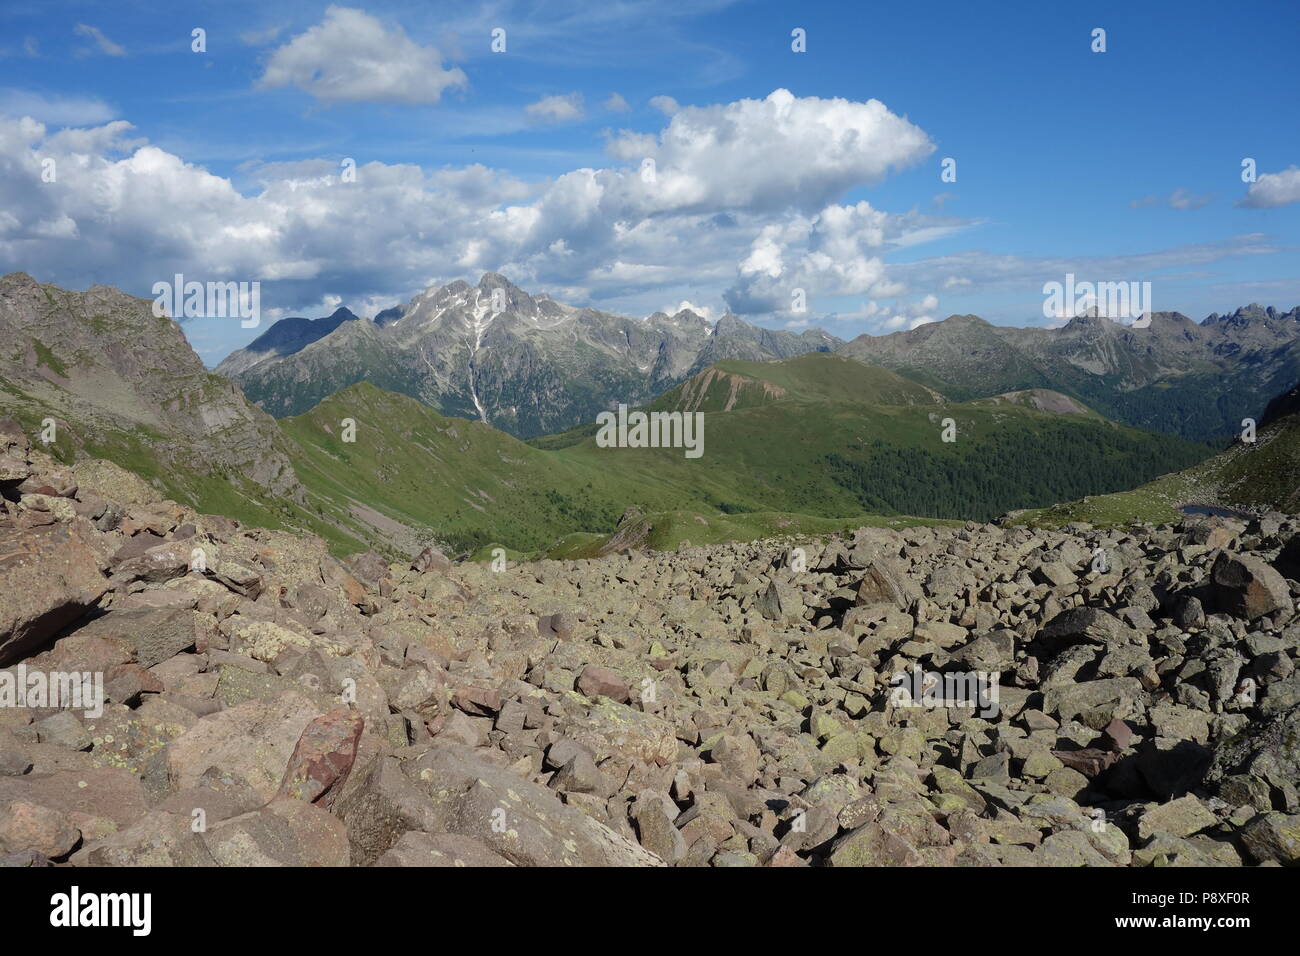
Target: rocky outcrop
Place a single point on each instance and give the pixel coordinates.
(105, 372)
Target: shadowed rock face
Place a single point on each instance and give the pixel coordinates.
(113, 375)
(527, 365)
(934, 696)
(288, 335)
(51, 577)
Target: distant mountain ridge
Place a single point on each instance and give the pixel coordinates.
(816, 438)
(1196, 380)
(530, 366)
(527, 365)
(287, 336)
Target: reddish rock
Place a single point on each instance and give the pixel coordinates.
(558, 626)
(254, 740)
(477, 701)
(369, 567)
(97, 801)
(1247, 587)
(1117, 735)
(49, 577)
(124, 683)
(323, 757)
(739, 757)
(285, 832)
(1090, 761)
(134, 547)
(55, 484)
(602, 682)
(29, 826)
(784, 856)
(354, 591)
(84, 650)
(153, 635)
(440, 849)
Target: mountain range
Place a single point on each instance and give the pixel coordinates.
(1197, 380)
(791, 443)
(526, 365)
(530, 366)
(813, 441)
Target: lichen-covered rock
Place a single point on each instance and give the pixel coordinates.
(254, 740)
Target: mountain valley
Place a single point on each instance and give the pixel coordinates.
(806, 440)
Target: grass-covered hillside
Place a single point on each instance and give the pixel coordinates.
(806, 444)
(1264, 474)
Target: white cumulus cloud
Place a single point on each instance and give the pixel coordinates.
(125, 212)
(352, 57)
(779, 152)
(1274, 189)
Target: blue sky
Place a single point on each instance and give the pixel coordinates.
(1117, 166)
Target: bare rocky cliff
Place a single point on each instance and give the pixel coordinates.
(112, 376)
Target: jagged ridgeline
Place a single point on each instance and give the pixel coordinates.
(1197, 380)
(815, 441)
(530, 366)
(527, 365)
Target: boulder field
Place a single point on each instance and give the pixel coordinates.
(974, 696)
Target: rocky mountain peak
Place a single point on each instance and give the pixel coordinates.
(495, 280)
(489, 351)
(968, 319)
(729, 324)
(17, 279)
(683, 319)
(1088, 319)
(1251, 314)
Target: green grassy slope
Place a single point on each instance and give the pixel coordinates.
(1265, 474)
(464, 481)
(809, 445)
(806, 445)
(817, 377)
(666, 531)
(837, 459)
